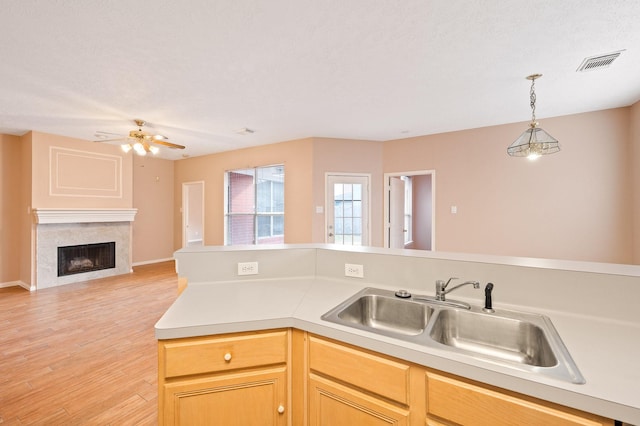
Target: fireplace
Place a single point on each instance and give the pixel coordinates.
(81, 230)
(86, 258)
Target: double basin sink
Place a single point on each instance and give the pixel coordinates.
(520, 340)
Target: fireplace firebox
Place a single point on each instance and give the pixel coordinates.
(86, 258)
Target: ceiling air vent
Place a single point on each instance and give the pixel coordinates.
(598, 62)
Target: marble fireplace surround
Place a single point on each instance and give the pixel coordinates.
(67, 227)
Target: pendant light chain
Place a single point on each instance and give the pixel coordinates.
(532, 97)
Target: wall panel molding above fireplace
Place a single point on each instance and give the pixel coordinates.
(76, 173)
(53, 215)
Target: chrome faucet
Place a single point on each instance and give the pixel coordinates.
(441, 287)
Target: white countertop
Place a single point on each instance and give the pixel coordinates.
(606, 352)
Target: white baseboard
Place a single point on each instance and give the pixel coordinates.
(148, 262)
(16, 284)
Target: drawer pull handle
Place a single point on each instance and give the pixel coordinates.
(227, 357)
(281, 409)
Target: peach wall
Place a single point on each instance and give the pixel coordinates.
(153, 197)
(296, 157)
(10, 208)
(111, 187)
(347, 156)
(26, 159)
(635, 177)
(571, 205)
(576, 204)
(93, 193)
(27, 227)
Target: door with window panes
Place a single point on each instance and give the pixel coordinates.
(347, 209)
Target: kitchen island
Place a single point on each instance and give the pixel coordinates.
(297, 284)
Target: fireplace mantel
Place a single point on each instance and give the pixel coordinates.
(50, 215)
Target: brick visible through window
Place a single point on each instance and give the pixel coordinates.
(254, 210)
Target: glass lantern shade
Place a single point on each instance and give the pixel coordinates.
(533, 143)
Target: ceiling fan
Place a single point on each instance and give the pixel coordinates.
(142, 142)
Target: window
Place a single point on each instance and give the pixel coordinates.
(255, 206)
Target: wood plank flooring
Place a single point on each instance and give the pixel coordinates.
(84, 353)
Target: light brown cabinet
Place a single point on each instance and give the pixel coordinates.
(453, 401)
(331, 403)
(236, 380)
(293, 377)
(348, 386)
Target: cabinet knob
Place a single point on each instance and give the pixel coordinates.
(281, 409)
(227, 357)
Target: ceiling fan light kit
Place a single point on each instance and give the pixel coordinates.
(534, 142)
(140, 148)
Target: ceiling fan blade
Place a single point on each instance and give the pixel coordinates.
(100, 132)
(168, 144)
(111, 140)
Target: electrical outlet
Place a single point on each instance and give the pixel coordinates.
(353, 270)
(247, 268)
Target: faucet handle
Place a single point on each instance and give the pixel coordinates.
(448, 281)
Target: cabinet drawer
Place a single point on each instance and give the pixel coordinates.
(465, 403)
(210, 354)
(364, 370)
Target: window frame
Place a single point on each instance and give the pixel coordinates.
(254, 213)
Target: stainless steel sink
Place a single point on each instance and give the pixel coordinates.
(383, 312)
(510, 339)
(519, 340)
(389, 314)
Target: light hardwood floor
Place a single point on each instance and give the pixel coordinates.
(85, 353)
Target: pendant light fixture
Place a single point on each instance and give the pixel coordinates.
(534, 142)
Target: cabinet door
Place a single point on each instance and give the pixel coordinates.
(465, 403)
(331, 404)
(242, 399)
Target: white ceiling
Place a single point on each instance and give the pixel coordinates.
(199, 70)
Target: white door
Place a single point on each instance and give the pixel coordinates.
(347, 209)
(418, 221)
(396, 212)
(193, 214)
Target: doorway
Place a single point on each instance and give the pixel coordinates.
(347, 209)
(409, 210)
(192, 214)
